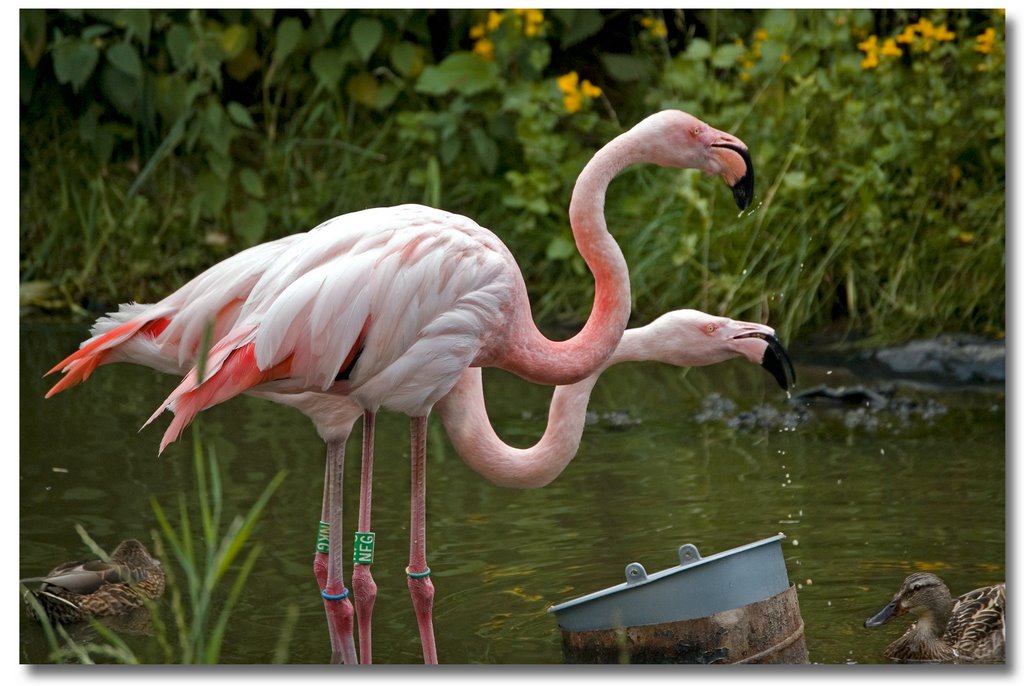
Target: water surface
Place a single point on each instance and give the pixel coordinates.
(861, 506)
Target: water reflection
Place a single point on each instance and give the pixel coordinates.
(861, 508)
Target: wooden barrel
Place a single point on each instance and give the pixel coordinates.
(769, 631)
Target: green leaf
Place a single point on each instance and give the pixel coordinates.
(622, 67)
(122, 90)
(179, 45)
(251, 182)
(240, 115)
(33, 35)
(263, 15)
(250, 222)
(328, 66)
(125, 57)
(329, 17)
(405, 58)
(365, 35)
(727, 54)
(219, 163)
(212, 193)
(698, 49)
(560, 248)
(779, 22)
(90, 33)
(138, 24)
(74, 61)
(580, 24)
(462, 72)
(289, 32)
(486, 149)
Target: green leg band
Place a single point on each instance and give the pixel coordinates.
(417, 575)
(323, 535)
(362, 548)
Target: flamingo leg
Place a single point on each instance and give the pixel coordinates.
(336, 601)
(363, 586)
(420, 586)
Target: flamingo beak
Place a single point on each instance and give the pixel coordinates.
(743, 187)
(776, 359)
(884, 615)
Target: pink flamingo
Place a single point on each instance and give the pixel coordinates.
(683, 338)
(389, 306)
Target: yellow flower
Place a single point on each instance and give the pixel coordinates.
(657, 27)
(889, 48)
(870, 48)
(984, 42)
(761, 35)
(944, 34)
(576, 92)
(590, 90)
(493, 20)
(485, 48)
(907, 36)
(784, 57)
(533, 20)
(573, 101)
(927, 30)
(567, 82)
(869, 45)
(477, 31)
(925, 27)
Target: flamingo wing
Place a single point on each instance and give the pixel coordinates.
(388, 307)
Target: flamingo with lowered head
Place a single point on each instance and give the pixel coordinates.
(389, 306)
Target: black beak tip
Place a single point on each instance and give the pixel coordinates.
(776, 361)
(743, 190)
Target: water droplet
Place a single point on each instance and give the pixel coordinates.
(796, 542)
(829, 372)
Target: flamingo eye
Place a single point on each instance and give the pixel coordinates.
(695, 132)
(710, 328)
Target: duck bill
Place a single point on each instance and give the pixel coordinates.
(883, 616)
(776, 360)
(743, 187)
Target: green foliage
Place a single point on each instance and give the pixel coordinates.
(156, 142)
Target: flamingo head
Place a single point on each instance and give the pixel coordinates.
(690, 338)
(681, 140)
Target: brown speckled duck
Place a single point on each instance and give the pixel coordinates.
(970, 628)
(76, 590)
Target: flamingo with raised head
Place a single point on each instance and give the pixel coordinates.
(389, 306)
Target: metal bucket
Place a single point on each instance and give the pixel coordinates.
(734, 606)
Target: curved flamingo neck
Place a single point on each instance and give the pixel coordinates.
(465, 419)
(529, 353)
(464, 414)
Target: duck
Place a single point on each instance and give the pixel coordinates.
(969, 628)
(74, 591)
